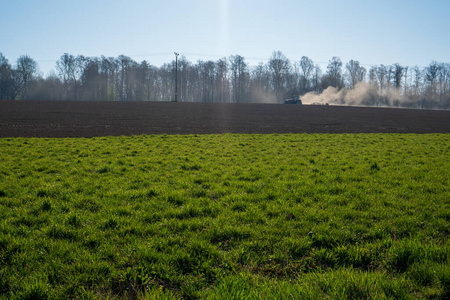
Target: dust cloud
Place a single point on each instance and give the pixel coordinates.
(263, 97)
(364, 94)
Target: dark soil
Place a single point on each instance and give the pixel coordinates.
(89, 119)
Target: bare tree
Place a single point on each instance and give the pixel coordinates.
(406, 79)
(238, 69)
(307, 69)
(26, 72)
(222, 86)
(381, 75)
(260, 83)
(398, 71)
(334, 72)
(279, 67)
(184, 67)
(207, 78)
(66, 67)
(7, 83)
(317, 78)
(416, 84)
(108, 69)
(446, 88)
(389, 75)
(91, 80)
(443, 81)
(126, 78)
(373, 75)
(355, 73)
(261, 76)
(431, 76)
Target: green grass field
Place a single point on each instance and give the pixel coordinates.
(226, 217)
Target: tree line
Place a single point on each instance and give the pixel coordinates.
(229, 79)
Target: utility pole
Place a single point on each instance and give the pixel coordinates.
(406, 77)
(176, 76)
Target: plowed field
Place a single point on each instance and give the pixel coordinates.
(89, 119)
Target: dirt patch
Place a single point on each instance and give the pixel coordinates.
(89, 119)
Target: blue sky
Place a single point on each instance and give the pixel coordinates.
(409, 32)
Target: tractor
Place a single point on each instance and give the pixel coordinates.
(293, 100)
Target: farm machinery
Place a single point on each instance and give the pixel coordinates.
(293, 100)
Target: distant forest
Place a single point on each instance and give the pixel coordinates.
(229, 79)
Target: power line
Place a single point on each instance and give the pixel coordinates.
(151, 54)
(262, 59)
